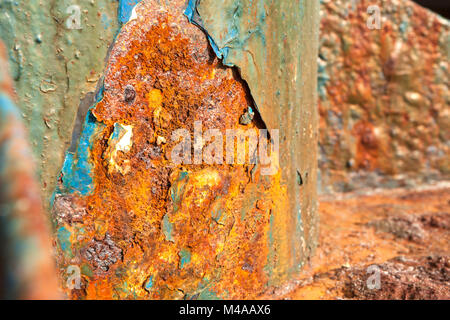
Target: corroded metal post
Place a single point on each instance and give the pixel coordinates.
(143, 224)
(194, 173)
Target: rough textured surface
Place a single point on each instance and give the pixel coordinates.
(152, 228)
(55, 68)
(383, 93)
(58, 72)
(274, 44)
(384, 122)
(357, 232)
(384, 97)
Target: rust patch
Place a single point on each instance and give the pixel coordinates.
(102, 253)
(171, 231)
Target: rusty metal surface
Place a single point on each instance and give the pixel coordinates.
(384, 123)
(384, 97)
(56, 51)
(27, 268)
(141, 226)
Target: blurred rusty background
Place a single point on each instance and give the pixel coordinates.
(384, 97)
(27, 268)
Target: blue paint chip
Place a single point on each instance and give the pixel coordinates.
(78, 168)
(177, 190)
(126, 9)
(7, 107)
(149, 284)
(8, 112)
(192, 14)
(64, 239)
(167, 228)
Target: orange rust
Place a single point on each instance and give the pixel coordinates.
(162, 76)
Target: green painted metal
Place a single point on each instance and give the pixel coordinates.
(274, 44)
(56, 61)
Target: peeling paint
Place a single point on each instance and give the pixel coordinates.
(197, 230)
(274, 45)
(54, 67)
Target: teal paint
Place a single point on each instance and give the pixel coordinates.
(106, 21)
(177, 190)
(54, 67)
(126, 9)
(404, 26)
(232, 32)
(64, 240)
(185, 257)
(192, 14)
(7, 108)
(87, 270)
(167, 228)
(205, 292)
(296, 245)
(217, 210)
(208, 295)
(118, 129)
(7, 111)
(149, 284)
